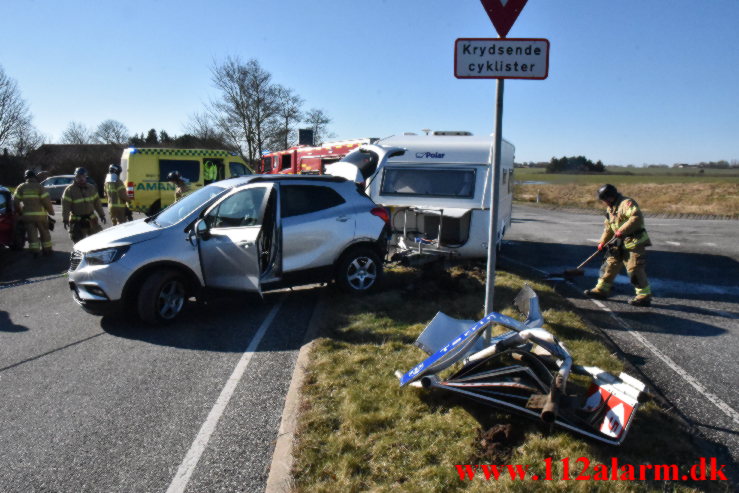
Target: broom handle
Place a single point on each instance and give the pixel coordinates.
(596, 253)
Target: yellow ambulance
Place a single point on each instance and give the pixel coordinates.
(145, 170)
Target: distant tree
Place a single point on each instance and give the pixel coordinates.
(15, 117)
(575, 164)
(76, 133)
(318, 121)
(27, 139)
(246, 105)
(200, 126)
(111, 132)
(164, 137)
(151, 137)
(287, 117)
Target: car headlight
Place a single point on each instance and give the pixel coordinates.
(107, 256)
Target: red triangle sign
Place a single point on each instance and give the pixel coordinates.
(503, 13)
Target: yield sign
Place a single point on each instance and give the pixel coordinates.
(503, 13)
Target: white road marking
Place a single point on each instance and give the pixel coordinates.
(674, 243)
(714, 399)
(710, 244)
(594, 241)
(182, 477)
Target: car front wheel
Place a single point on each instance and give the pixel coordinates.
(162, 297)
(359, 271)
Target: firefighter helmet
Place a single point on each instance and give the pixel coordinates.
(173, 175)
(607, 191)
(29, 174)
(80, 171)
(115, 169)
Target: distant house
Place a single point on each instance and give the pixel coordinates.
(62, 159)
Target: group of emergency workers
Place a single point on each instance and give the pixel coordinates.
(81, 207)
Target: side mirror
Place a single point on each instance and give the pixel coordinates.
(201, 229)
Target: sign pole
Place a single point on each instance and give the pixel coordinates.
(494, 196)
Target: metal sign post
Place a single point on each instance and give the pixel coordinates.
(483, 58)
(494, 196)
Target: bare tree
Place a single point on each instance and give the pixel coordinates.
(27, 139)
(76, 133)
(246, 106)
(111, 132)
(14, 114)
(318, 121)
(200, 125)
(288, 115)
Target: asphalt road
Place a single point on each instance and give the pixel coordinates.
(100, 404)
(687, 342)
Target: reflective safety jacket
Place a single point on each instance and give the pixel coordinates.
(115, 192)
(35, 200)
(210, 171)
(80, 201)
(625, 216)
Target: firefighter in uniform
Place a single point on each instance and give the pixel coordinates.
(80, 202)
(35, 211)
(624, 225)
(116, 194)
(210, 172)
(181, 186)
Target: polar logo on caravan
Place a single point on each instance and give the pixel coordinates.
(430, 155)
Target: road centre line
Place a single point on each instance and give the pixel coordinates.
(714, 399)
(184, 472)
(673, 243)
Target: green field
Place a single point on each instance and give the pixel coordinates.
(624, 175)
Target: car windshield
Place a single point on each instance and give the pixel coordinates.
(184, 207)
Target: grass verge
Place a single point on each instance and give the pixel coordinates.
(359, 431)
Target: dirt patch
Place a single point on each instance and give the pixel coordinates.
(497, 442)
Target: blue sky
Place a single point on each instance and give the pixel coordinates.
(630, 81)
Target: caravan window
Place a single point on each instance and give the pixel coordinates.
(189, 170)
(429, 182)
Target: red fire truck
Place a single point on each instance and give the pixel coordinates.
(308, 160)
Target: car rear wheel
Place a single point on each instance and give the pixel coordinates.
(359, 271)
(162, 297)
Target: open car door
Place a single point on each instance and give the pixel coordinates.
(241, 242)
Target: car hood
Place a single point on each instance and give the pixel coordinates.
(123, 234)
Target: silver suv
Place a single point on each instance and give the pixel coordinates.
(252, 233)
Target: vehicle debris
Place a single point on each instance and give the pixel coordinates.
(525, 371)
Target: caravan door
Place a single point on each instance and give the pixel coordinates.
(240, 233)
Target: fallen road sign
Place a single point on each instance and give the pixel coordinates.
(493, 58)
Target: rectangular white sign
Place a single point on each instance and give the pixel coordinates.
(494, 58)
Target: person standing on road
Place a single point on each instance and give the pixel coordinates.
(210, 172)
(624, 225)
(182, 188)
(116, 194)
(32, 200)
(80, 202)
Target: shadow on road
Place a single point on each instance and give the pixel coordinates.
(7, 325)
(678, 275)
(225, 324)
(16, 266)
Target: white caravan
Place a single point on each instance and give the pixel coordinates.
(437, 188)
